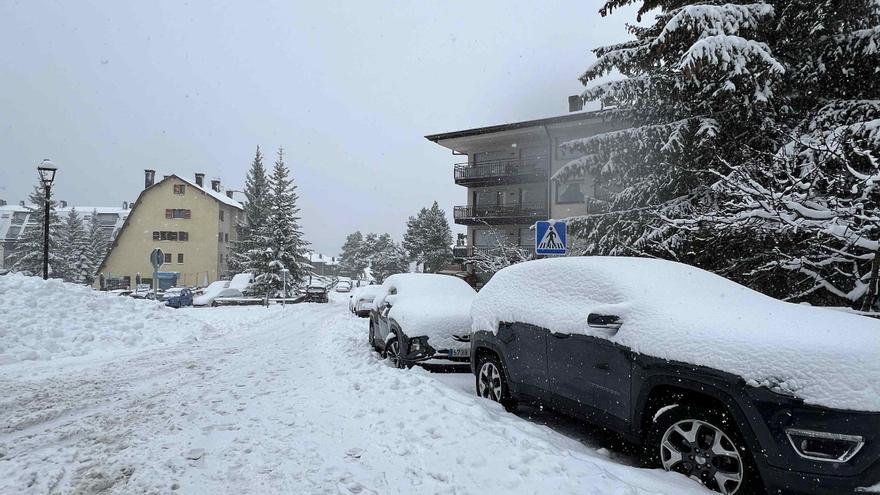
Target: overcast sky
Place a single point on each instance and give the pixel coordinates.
(349, 89)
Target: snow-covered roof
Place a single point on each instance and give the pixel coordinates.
(219, 196)
(681, 313)
(323, 258)
(7, 214)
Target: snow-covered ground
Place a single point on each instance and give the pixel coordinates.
(285, 401)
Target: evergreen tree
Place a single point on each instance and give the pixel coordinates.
(280, 233)
(95, 248)
(428, 238)
(256, 212)
(386, 256)
(72, 245)
(730, 103)
(353, 261)
(28, 254)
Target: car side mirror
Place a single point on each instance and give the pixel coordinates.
(604, 322)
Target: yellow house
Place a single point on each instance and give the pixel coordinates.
(192, 224)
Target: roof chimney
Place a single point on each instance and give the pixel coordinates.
(229, 193)
(21, 203)
(2, 202)
(63, 204)
(125, 205)
(200, 179)
(149, 178)
(575, 103)
(215, 185)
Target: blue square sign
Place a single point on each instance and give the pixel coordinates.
(551, 238)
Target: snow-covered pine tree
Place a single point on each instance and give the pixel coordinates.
(28, 254)
(72, 244)
(353, 261)
(95, 248)
(281, 233)
(256, 212)
(428, 238)
(814, 196)
(700, 81)
(386, 256)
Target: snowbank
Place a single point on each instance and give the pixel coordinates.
(47, 319)
(424, 304)
(677, 312)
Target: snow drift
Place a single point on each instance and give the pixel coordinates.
(47, 319)
(677, 312)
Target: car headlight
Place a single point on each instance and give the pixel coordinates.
(824, 446)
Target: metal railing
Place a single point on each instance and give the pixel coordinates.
(534, 167)
(517, 210)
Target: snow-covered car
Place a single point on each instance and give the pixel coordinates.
(316, 293)
(361, 300)
(343, 284)
(241, 281)
(120, 292)
(227, 293)
(718, 382)
(421, 316)
(210, 292)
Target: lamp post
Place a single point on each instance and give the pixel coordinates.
(47, 170)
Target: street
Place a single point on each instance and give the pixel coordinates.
(287, 401)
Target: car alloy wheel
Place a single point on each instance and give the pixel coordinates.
(489, 382)
(703, 452)
(392, 352)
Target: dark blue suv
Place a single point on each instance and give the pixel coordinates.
(179, 299)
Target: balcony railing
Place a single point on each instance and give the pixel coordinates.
(502, 171)
(497, 214)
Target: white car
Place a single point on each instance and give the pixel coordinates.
(422, 316)
(343, 284)
(213, 290)
(361, 300)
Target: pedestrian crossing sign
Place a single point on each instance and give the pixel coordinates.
(551, 238)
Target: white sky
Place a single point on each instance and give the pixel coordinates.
(349, 89)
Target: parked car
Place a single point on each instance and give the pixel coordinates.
(206, 298)
(120, 292)
(316, 294)
(178, 298)
(420, 316)
(717, 382)
(226, 293)
(361, 300)
(343, 284)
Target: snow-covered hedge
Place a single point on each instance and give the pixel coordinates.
(678, 312)
(47, 319)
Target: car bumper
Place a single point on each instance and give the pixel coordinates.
(785, 481)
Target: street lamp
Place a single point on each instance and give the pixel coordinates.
(47, 170)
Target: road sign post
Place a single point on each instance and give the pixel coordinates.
(157, 258)
(551, 238)
(285, 274)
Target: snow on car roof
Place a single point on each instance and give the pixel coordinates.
(425, 304)
(674, 311)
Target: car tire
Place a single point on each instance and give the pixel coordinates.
(373, 338)
(491, 382)
(214, 304)
(679, 440)
(392, 353)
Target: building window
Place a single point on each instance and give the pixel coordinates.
(177, 213)
(570, 192)
(183, 236)
(179, 189)
(170, 235)
(167, 257)
(221, 214)
(226, 237)
(180, 257)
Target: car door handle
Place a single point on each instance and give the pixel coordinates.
(602, 366)
(560, 335)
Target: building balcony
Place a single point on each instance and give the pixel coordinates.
(465, 252)
(515, 171)
(500, 214)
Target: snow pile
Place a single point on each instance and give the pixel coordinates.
(425, 304)
(677, 312)
(48, 319)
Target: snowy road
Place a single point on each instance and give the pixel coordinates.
(284, 401)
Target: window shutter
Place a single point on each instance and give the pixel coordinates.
(187, 213)
(156, 235)
(167, 212)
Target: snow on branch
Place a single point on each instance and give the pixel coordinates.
(702, 21)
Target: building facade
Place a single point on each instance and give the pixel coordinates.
(192, 224)
(15, 220)
(507, 171)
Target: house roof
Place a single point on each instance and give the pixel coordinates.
(219, 196)
(571, 117)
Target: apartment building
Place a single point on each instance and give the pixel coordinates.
(194, 225)
(507, 171)
(16, 219)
